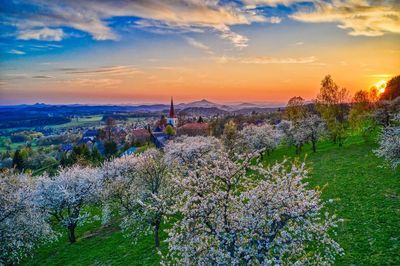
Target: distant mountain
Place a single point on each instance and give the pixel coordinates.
(203, 111)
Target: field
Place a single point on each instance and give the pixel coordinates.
(365, 193)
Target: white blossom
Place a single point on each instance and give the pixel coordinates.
(141, 188)
(264, 137)
(231, 216)
(65, 195)
(22, 225)
(389, 144)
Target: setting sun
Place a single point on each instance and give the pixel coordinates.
(381, 85)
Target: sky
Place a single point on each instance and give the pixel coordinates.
(145, 51)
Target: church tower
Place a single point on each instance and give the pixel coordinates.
(172, 119)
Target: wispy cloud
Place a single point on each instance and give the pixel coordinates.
(199, 45)
(112, 70)
(16, 52)
(361, 17)
(93, 83)
(42, 77)
(267, 60)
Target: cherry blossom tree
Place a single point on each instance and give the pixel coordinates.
(264, 137)
(139, 186)
(22, 225)
(64, 196)
(315, 127)
(186, 151)
(151, 196)
(389, 143)
(296, 134)
(232, 216)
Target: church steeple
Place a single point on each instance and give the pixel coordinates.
(172, 110)
(172, 119)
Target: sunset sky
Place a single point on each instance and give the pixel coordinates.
(145, 51)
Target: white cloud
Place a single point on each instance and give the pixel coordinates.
(43, 34)
(92, 16)
(16, 52)
(267, 60)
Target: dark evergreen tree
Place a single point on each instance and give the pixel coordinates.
(18, 160)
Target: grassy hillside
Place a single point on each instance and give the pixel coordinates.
(367, 197)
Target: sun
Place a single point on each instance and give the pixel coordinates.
(381, 86)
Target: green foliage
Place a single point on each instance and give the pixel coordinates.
(18, 160)
(110, 148)
(169, 130)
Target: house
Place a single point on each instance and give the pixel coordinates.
(140, 136)
(194, 129)
(129, 151)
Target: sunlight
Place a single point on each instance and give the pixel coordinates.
(381, 85)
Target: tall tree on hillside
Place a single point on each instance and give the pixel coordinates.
(392, 90)
(296, 109)
(332, 105)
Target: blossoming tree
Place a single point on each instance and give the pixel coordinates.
(139, 186)
(22, 226)
(232, 216)
(257, 138)
(64, 196)
(389, 143)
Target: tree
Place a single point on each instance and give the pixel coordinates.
(80, 154)
(296, 109)
(169, 130)
(331, 104)
(110, 125)
(110, 148)
(64, 196)
(260, 138)
(231, 216)
(139, 186)
(230, 137)
(22, 225)
(296, 134)
(389, 144)
(315, 128)
(360, 116)
(186, 151)
(18, 160)
(151, 196)
(392, 90)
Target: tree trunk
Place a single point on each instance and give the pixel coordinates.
(314, 148)
(71, 233)
(156, 234)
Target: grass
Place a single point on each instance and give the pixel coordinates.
(366, 194)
